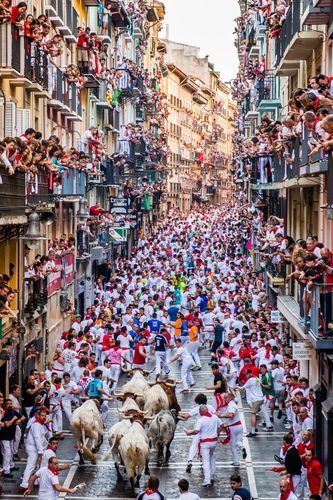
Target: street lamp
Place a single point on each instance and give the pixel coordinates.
(82, 214)
(33, 236)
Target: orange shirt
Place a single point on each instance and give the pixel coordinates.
(178, 327)
(194, 334)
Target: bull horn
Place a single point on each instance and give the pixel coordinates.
(118, 394)
(169, 384)
(151, 382)
(147, 372)
(137, 396)
(178, 381)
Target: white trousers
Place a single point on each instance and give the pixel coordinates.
(236, 441)
(161, 362)
(208, 460)
(56, 419)
(193, 451)
(30, 468)
(17, 439)
(115, 374)
(7, 450)
(192, 348)
(186, 374)
(67, 407)
(265, 408)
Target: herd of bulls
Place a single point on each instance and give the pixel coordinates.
(147, 420)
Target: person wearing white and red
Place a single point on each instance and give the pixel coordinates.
(314, 473)
(208, 428)
(200, 399)
(151, 492)
(56, 394)
(35, 445)
(233, 427)
(48, 478)
(285, 491)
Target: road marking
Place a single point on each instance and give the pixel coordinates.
(70, 475)
(249, 468)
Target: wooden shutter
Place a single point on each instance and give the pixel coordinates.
(23, 121)
(10, 123)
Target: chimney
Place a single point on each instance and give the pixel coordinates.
(167, 31)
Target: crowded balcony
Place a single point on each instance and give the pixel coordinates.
(17, 61)
(299, 274)
(295, 42)
(118, 13)
(65, 95)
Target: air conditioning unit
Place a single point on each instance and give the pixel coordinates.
(63, 301)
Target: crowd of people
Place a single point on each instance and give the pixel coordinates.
(310, 113)
(188, 287)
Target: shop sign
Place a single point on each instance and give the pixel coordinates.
(118, 206)
(54, 278)
(119, 234)
(276, 317)
(302, 351)
(69, 268)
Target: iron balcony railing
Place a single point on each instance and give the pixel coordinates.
(12, 191)
(291, 26)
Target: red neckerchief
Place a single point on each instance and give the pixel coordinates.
(50, 448)
(57, 386)
(151, 491)
(54, 472)
(268, 351)
(284, 495)
(116, 348)
(207, 414)
(316, 103)
(38, 420)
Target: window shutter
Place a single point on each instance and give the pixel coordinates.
(4, 56)
(2, 128)
(23, 121)
(10, 124)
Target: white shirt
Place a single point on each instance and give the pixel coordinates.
(71, 386)
(46, 481)
(184, 355)
(253, 390)
(46, 457)
(230, 408)
(188, 496)
(208, 426)
(195, 411)
(278, 377)
(36, 437)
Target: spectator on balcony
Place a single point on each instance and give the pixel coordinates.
(5, 11)
(83, 41)
(326, 83)
(18, 14)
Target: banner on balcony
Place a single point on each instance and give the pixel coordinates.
(69, 268)
(54, 278)
(118, 206)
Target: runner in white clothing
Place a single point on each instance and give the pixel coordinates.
(200, 399)
(233, 426)
(208, 427)
(35, 445)
(49, 485)
(187, 361)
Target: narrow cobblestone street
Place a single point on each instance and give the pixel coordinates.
(101, 479)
